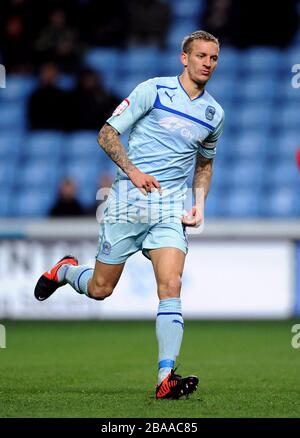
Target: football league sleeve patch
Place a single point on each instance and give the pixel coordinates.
(122, 107)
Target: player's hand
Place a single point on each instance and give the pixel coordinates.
(194, 217)
(146, 183)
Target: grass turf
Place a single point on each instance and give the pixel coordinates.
(108, 370)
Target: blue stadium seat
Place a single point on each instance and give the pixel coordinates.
(183, 9)
(218, 166)
(104, 60)
(252, 116)
(283, 172)
(8, 172)
(287, 89)
(169, 63)
(212, 204)
(286, 144)
(87, 195)
(190, 22)
(222, 87)
(249, 144)
(282, 202)
(227, 105)
(140, 60)
(12, 116)
(257, 88)
(239, 203)
(10, 145)
(109, 80)
(287, 116)
(33, 203)
(82, 144)
(18, 88)
(43, 174)
(223, 149)
(44, 145)
(289, 58)
(177, 32)
(228, 61)
(5, 203)
(260, 60)
(105, 163)
(83, 172)
(243, 174)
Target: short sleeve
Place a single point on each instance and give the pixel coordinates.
(208, 147)
(134, 107)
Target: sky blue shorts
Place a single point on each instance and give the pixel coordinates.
(120, 239)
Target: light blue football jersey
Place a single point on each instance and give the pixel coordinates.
(168, 129)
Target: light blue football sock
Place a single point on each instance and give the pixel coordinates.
(169, 332)
(77, 276)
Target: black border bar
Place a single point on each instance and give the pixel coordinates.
(137, 426)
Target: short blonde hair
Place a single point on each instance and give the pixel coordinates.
(198, 35)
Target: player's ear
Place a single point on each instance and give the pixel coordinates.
(183, 58)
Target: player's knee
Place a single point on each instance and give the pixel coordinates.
(170, 288)
(100, 291)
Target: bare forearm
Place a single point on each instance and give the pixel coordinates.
(108, 139)
(202, 179)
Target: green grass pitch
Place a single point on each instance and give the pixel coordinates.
(108, 370)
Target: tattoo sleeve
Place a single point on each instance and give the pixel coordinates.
(202, 177)
(108, 139)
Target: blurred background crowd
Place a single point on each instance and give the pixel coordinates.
(70, 62)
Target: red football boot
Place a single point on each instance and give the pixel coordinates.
(48, 282)
(174, 386)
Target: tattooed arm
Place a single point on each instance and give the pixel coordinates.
(108, 139)
(201, 184)
(202, 178)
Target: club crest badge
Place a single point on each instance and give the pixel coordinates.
(210, 112)
(106, 248)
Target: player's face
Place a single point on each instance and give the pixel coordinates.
(201, 60)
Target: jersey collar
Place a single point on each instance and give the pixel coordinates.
(181, 86)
